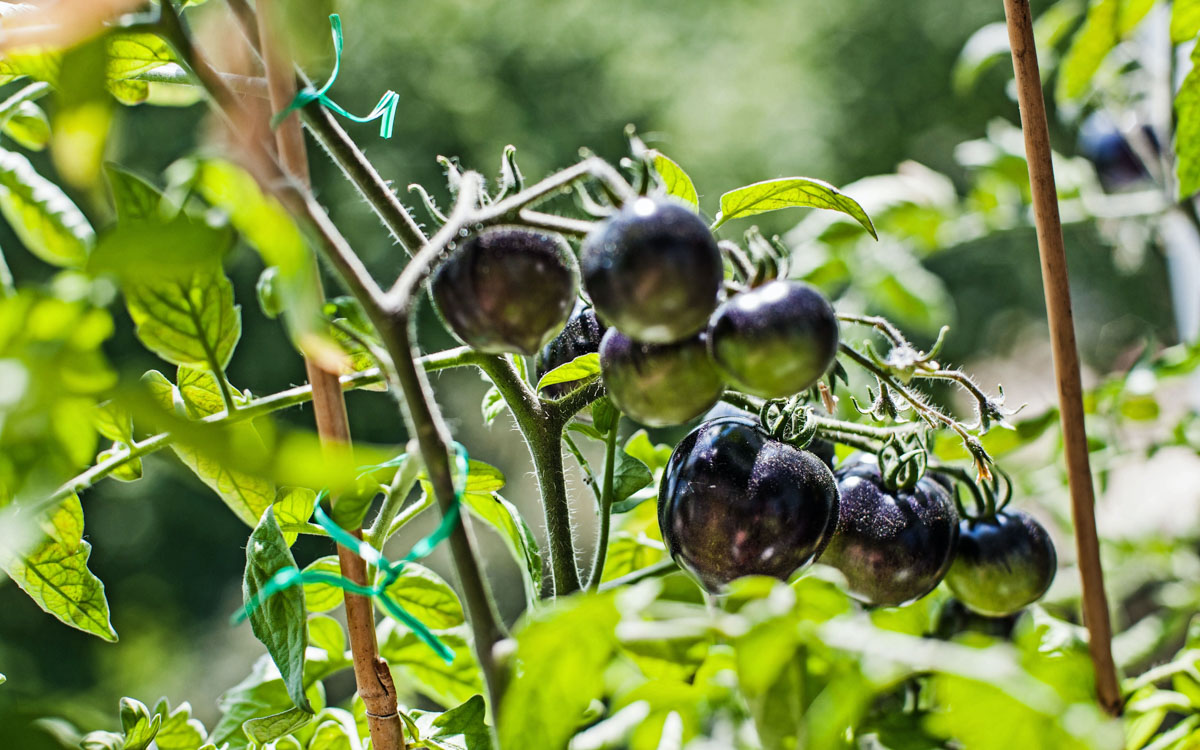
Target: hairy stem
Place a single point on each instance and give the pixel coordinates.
(606, 503)
(588, 477)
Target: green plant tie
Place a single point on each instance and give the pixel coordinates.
(385, 110)
(290, 576)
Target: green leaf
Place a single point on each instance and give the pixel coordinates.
(134, 197)
(465, 721)
(269, 229)
(293, 505)
(131, 53)
(175, 289)
(139, 725)
(280, 622)
(1107, 23)
(789, 192)
(561, 656)
(270, 728)
(427, 597)
(42, 216)
(322, 597)
(1187, 134)
(675, 180)
(102, 741)
(55, 575)
(247, 495)
(628, 553)
(630, 475)
(263, 693)
(604, 416)
(1185, 20)
(583, 367)
(28, 125)
(326, 633)
(178, 731)
(655, 457)
(504, 517)
(446, 684)
(493, 405)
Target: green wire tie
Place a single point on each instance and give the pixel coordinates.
(385, 109)
(290, 576)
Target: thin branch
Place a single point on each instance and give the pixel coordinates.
(606, 503)
(657, 570)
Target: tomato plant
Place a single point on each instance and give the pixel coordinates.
(768, 577)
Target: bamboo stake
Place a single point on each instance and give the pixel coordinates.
(1062, 339)
(371, 673)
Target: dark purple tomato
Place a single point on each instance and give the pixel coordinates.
(735, 502)
(955, 618)
(507, 289)
(774, 340)
(893, 546)
(1003, 564)
(659, 384)
(580, 336)
(653, 270)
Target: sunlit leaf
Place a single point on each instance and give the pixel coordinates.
(269, 728)
(447, 684)
(504, 517)
(424, 595)
(1106, 24)
(789, 192)
(675, 180)
(583, 367)
(41, 214)
(55, 575)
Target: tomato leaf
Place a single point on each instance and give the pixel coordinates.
(447, 684)
(280, 621)
(427, 597)
(55, 574)
(504, 517)
(41, 214)
(675, 180)
(583, 367)
(270, 728)
(789, 192)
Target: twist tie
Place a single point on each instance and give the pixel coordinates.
(290, 576)
(385, 110)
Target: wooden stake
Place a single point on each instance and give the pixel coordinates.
(1062, 339)
(371, 673)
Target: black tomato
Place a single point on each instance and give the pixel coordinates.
(893, 546)
(507, 289)
(1003, 564)
(774, 340)
(735, 502)
(659, 384)
(653, 270)
(580, 336)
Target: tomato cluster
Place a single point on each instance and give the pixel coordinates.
(735, 499)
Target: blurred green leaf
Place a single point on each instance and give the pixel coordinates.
(446, 684)
(131, 53)
(41, 215)
(280, 621)
(628, 553)
(654, 456)
(427, 597)
(675, 180)
(789, 192)
(27, 124)
(322, 597)
(82, 115)
(134, 197)
(1106, 24)
(1187, 134)
(561, 655)
(583, 367)
(139, 725)
(293, 505)
(55, 574)
(181, 301)
(493, 405)
(247, 494)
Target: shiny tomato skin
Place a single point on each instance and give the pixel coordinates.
(735, 502)
(507, 289)
(653, 271)
(1003, 564)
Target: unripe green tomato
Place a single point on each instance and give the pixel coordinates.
(659, 384)
(1003, 564)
